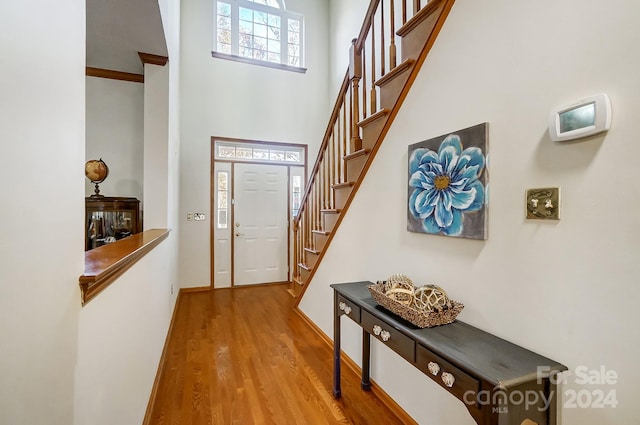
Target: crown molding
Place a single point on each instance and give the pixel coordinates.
(114, 75)
(152, 59)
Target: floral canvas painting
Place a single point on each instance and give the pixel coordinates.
(448, 184)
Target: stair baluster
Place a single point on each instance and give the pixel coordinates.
(347, 150)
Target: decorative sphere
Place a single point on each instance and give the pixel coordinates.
(431, 297)
(96, 170)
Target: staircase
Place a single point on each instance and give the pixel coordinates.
(371, 94)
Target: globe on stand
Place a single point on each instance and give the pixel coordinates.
(97, 171)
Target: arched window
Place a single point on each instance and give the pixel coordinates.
(258, 30)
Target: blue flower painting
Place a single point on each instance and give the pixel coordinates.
(447, 184)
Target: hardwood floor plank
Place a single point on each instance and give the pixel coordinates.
(243, 356)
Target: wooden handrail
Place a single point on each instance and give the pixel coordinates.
(355, 107)
(325, 141)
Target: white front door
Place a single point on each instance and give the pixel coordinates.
(260, 227)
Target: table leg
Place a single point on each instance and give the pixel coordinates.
(366, 356)
(337, 392)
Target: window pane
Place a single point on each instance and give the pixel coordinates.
(246, 27)
(223, 181)
(226, 151)
(224, 9)
(292, 157)
(261, 153)
(222, 200)
(259, 52)
(276, 155)
(224, 23)
(246, 153)
(274, 46)
(296, 193)
(273, 57)
(294, 25)
(259, 17)
(260, 30)
(274, 20)
(222, 219)
(224, 36)
(294, 38)
(246, 14)
(272, 3)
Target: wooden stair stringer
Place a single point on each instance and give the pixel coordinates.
(441, 8)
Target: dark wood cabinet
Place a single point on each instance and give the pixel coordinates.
(108, 219)
(499, 382)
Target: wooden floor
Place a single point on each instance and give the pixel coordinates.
(243, 356)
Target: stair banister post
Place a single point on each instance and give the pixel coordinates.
(355, 73)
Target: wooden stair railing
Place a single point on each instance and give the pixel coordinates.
(370, 96)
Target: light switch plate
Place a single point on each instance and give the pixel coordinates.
(543, 203)
(189, 216)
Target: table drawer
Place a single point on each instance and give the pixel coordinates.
(392, 338)
(349, 308)
(447, 375)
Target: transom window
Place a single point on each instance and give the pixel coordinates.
(258, 30)
(242, 151)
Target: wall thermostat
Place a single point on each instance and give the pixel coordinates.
(588, 116)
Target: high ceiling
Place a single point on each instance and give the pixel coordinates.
(118, 29)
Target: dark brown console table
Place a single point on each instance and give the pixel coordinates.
(499, 382)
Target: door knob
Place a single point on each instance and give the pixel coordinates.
(239, 234)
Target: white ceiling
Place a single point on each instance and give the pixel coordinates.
(118, 29)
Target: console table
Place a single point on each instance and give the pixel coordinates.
(499, 382)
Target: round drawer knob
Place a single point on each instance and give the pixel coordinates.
(448, 379)
(385, 335)
(377, 329)
(434, 368)
(344, 307)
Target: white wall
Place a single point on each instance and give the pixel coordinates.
(156, 163)
(345, 21)
(231, 99)
(564, 289)
(42, 136)
(122, 332)
(115, 133)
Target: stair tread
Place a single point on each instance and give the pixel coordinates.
(312, 251)
(304, 266)
(320, 232)
(424, 13)
(341, 185)
(357, 154)
(331, 210)
(398, 70)
(371, 118)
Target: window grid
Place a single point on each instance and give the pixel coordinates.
(261, 154)
(223, 200)
(259, 30)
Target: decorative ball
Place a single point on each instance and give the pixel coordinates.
(96, 170)
(431, 297)
(400, 288)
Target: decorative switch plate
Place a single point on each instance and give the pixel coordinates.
(543, 203)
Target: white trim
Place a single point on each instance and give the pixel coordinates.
(285, 17)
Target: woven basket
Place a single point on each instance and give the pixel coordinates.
(419, 318)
